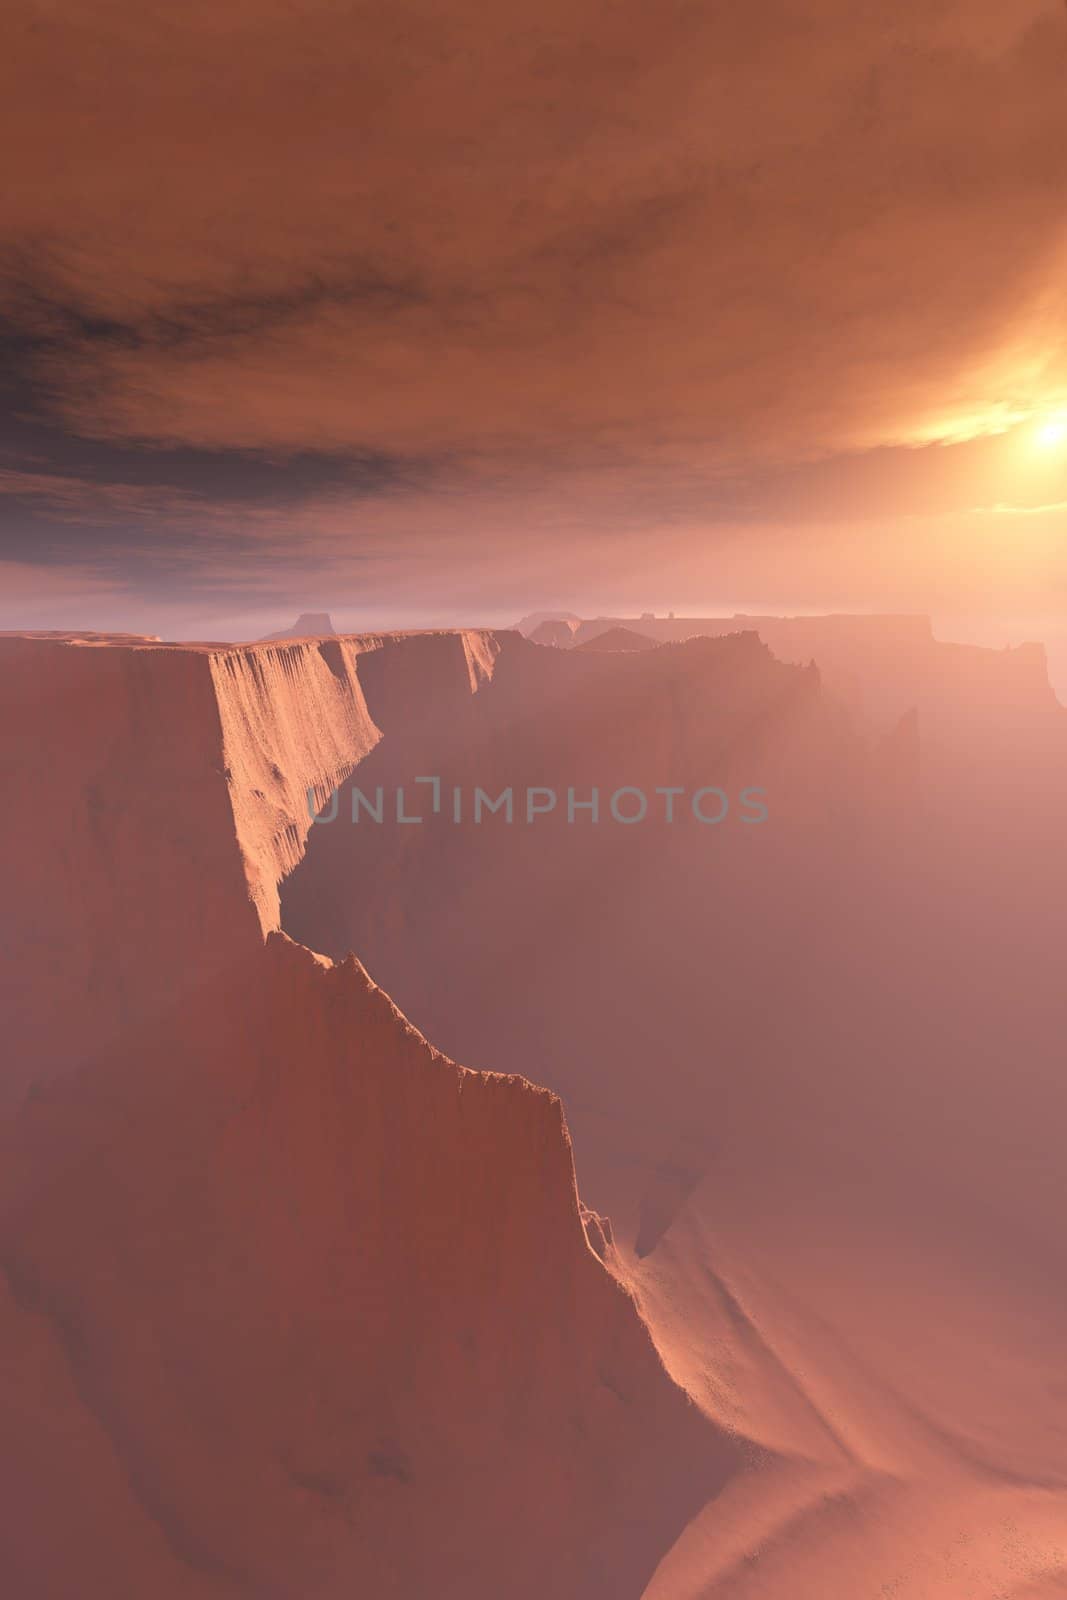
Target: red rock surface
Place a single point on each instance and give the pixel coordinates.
(291, 1304)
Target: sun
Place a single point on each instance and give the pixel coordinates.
(1052, 432)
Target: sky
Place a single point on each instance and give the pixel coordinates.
(448, 311)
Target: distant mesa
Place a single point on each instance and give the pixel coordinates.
(529, 625)
(619, 639)
(308, 625)
(554, 631)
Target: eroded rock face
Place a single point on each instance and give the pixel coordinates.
(291, 1304)
(156, 795)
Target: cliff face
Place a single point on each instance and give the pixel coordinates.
(291, 1305)
(118, 846)
(294, 723)
(156, 795)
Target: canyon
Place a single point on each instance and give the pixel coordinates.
(307, 1291)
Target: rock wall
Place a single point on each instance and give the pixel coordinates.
(290, 1304)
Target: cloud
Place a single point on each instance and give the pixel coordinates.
(371, 286)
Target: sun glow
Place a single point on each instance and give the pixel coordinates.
(1052, 432)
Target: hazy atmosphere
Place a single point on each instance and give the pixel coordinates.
(442, 313)
(533, 800)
